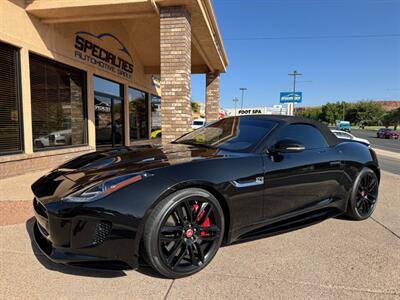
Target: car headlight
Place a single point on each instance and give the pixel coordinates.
(105, 188)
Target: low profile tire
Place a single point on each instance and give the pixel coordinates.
(184, 232)
(364, 195)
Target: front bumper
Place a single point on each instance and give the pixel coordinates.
(84, 236)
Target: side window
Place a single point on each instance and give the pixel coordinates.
(310, 136)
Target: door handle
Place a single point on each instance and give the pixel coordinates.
(257, 181)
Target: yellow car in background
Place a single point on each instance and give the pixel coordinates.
(155, 134)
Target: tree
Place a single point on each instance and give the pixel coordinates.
(368, 112)
(391, 118)
(396, 118)
(314, 113)
(195, 106)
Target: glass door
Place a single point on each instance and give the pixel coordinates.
(109, 120)
(109, 113)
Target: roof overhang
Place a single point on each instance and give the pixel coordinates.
(208, 52)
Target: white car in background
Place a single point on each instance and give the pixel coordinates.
(348, 136)
(198, 123)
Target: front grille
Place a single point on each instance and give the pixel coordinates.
(102, 231)
(39, 208)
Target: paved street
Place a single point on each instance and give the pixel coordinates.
(386, 162)
(384, 144)
(389, 164)
(335, 259)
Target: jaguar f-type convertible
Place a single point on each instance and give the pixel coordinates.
(173, 206)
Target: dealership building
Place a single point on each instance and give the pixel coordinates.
(79, 75)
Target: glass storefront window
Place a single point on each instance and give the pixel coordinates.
(155, 116)
(57, 100)
(10, 112)
(106, 86)
(138, 114)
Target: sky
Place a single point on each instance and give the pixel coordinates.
(346, 50)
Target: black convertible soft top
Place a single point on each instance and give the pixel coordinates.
(329, 136)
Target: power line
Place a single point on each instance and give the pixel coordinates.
(315, 37)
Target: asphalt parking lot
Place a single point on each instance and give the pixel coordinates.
(335, 259)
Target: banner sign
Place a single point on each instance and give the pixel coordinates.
(290, 97)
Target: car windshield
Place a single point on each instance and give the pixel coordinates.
(232, 134)
(198, 123)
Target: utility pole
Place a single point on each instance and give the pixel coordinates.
(291, 105)
(242, 89)
(235, 100)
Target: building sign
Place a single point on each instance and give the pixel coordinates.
(105, 51)
(290, 97)
(274, 110)
(254, 111)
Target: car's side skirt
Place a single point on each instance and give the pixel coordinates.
(295, 220)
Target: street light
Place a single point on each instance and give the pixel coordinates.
(235, 100)
(242, 89)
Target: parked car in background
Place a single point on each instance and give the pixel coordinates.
(198, 123)
(348, 136)
(386, 133)
(343, 125)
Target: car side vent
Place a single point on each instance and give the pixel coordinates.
(102, 231)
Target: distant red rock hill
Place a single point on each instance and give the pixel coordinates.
(386, 104)
(389, 105)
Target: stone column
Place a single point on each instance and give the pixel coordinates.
(175, 46)
(212, 96)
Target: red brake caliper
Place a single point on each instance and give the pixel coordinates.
(206, 223)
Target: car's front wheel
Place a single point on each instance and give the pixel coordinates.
(364, 195)
(184, 232)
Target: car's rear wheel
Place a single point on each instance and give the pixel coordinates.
(184, 232)
(364, 195)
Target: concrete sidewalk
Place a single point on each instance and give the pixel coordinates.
(335, 259)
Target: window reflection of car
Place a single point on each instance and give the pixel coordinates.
(348, 136)
(56, 138)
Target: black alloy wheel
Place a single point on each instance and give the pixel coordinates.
(364, 195)
(184, 232)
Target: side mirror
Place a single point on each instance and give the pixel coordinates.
(287, 146)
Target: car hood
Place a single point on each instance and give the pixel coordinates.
(97, 166)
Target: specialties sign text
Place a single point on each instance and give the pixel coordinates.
(92, 53)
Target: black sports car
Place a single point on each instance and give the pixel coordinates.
(238, 178)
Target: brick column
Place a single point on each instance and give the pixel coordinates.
(212, 96)
(175, 45)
